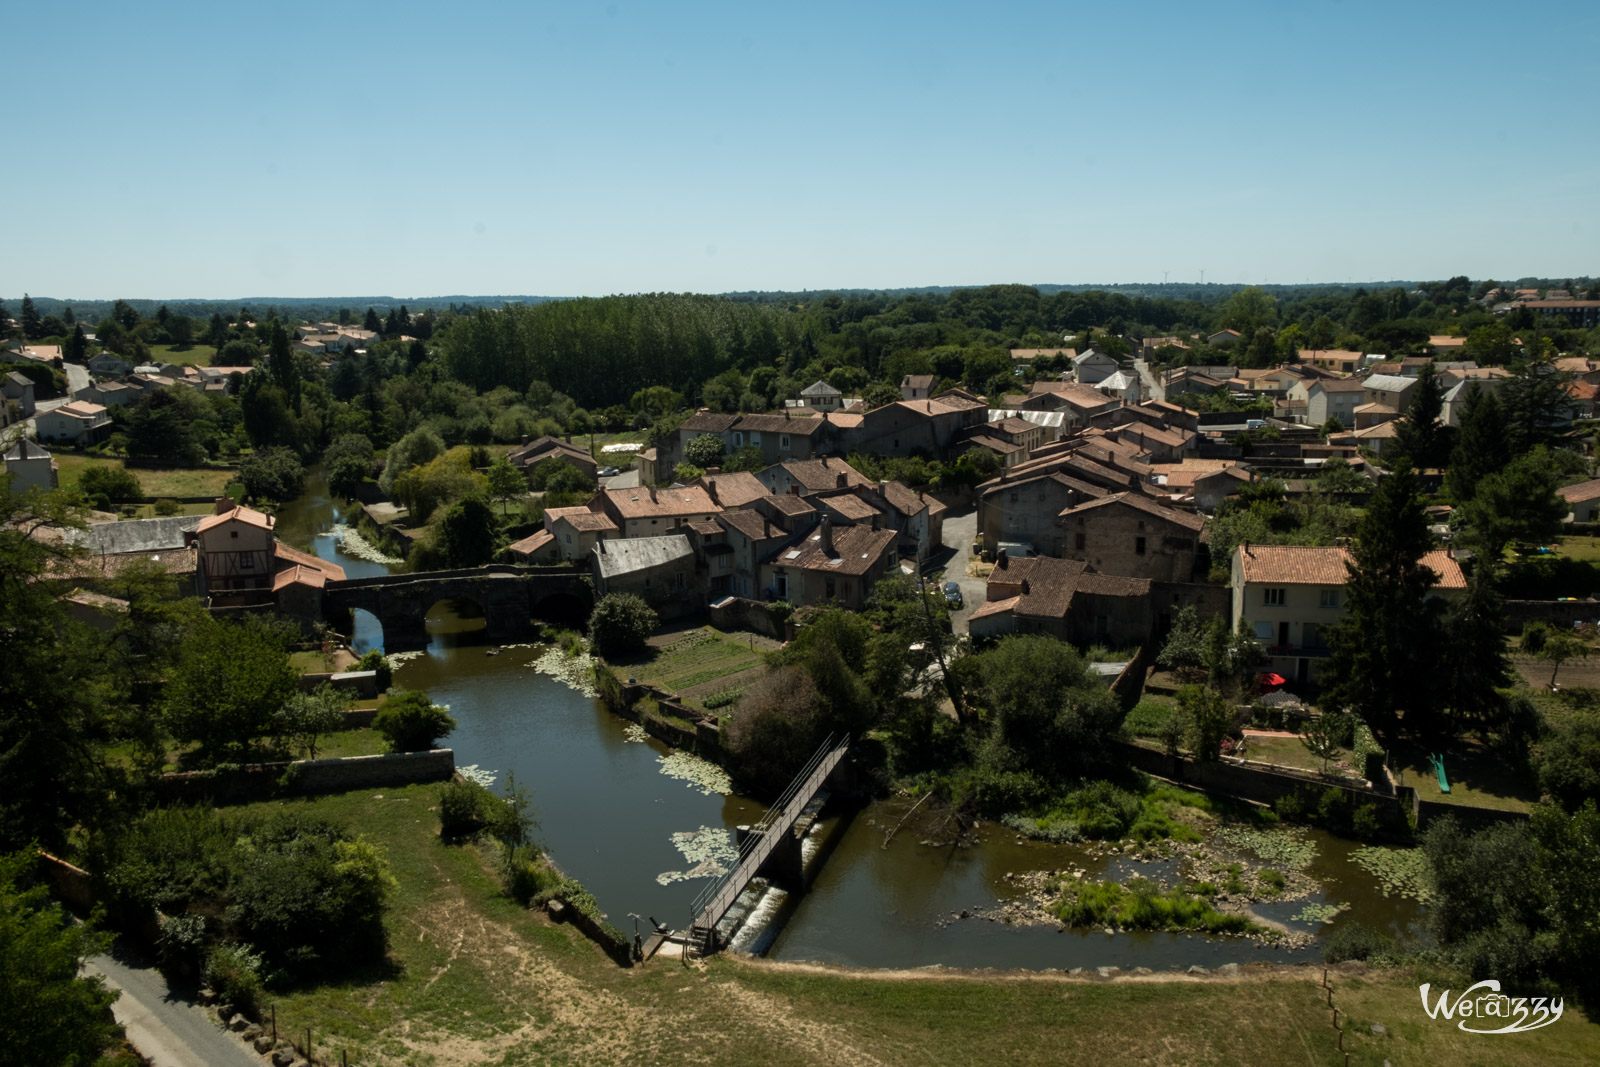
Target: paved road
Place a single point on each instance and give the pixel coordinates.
(628, 479)
(170, 1032)
(77, 376)
(960, 530)
(1153, 389)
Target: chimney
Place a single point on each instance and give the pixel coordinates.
(525, 439)
(825, 536)
(224, 505)
(1025, 589)
(840, 481)
(1002, 561)
(1246, 548)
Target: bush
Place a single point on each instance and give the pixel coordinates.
(370, 661)
(167, 506)
(1353, 941)
(233, 973)
(620, 624)
(117, 484)
(462, 806)
(411, 722)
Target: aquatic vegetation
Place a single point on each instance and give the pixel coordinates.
(1403, 872)
(396, 660)
(574, 670)
(1318, 913)
(351, 543)
(697, 772)
(1286, 848)
(1143, 905)
(473, 773)
(709, 851)
(634, 732)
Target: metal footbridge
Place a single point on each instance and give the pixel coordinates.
(763, 840)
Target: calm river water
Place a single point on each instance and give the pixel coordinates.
(608, 815)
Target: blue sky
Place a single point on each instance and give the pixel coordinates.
(309, 149)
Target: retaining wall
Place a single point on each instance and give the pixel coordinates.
(1561, 612)
(740, 613)
(260, 781)
(70, 883)
(363, 685)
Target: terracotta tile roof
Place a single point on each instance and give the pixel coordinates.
(1583, 491)
(804, 425)
(843, 420)
(850, 507)
(81, 409)
(788, 504)
(1188, 519)
(1035, 353)
(581, 519)
(299, 575)
(240, 514)
(994, 444)
(644, 503)
(994, 607)
(289, 554)
(819, 474)
(903, 499)
(1292, 564)
(856, 550)
(529, 545)
(708, 422)
(704, 527)
(918, 381)
(733, 490)
(1338, 385)
(752, 524)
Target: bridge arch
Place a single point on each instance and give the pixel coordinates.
(568, 609)
(458, 619)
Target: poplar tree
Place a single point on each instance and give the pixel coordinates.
(1481, 447)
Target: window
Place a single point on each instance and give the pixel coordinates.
(247, 563)
(1263, 631)
(1330, 598)
(1311, 635)
(827, 588)
(1014, 497)
(1102, 626)
(738, 439)
(1079, 541)
(783, 442)
(1138, 546)
(1273, 598)
(755, 437)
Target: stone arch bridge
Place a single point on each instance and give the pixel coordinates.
(509, 597)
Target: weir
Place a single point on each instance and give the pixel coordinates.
(768, 847)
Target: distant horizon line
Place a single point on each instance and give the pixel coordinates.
(512, 297)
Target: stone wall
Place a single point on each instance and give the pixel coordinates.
(1560, 612)
(70, 883)
(733, 614)
(362, 685)
(259, 781)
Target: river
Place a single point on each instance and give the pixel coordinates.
(608, 815)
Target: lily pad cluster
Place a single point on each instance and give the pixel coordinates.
(575, 671)
(1285, 848)
(351, 543)
(709, 851)
(697, 772)
(1403, 872)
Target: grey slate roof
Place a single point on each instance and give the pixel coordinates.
(135, 535)
(26, 449)
(629, 555)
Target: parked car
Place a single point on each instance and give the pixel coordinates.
(609, 472)
(952, 594)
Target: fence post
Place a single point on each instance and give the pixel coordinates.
(309, 1055)
(274, 1023)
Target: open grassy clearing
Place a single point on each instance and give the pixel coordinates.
(189, 355)
(175, 482)
(319, 662)
(1478, 777)
(472, 978)
(1290, 752)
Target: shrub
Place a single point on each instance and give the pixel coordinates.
(1353, 941)
(461, 809)
(116, 484)
(620, 624)
(1364, 821)
(370, 661)
(168, 506)
(234, 973)
(411, 722)
(1289, 808)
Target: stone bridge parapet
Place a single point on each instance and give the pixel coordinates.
(510, 597)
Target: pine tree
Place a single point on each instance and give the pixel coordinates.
(1384, 651)
(1475, 661)
(68, 317)
(32, 324)
(1480, 448)
(371, 323)
(77, 347)
(1420, 434)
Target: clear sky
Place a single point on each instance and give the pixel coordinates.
(220, 150)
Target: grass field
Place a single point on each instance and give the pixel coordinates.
(187, 481)
(1289, 752)
(1477, 776)
(695, 659)
(193, 355)
(472, 978)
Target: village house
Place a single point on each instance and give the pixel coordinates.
(832, 565)
(1161, 444)
(780, 437)
(543, 449)
(79, 422)
(1223, 337)
(1023, 509)
(648, 512)
(1064, 599)
(30, 467)
(44, 355)
(1289, 596)
(1329, 398)
(931, 427)
(661, 570)
(1342, 360)
(1050, 423)
(1093, 366)
(109, 394)
(109, 364)
(735, 489)
(1130, 534)
(1202, 483)
(1583, 499)
(1391, 390)
(111, 547)
(1455, 397)
(1078, 403)
(820, 396)
(17, 389)
(802, 478)
(916, 386)
(577, 530)
(753, 536)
